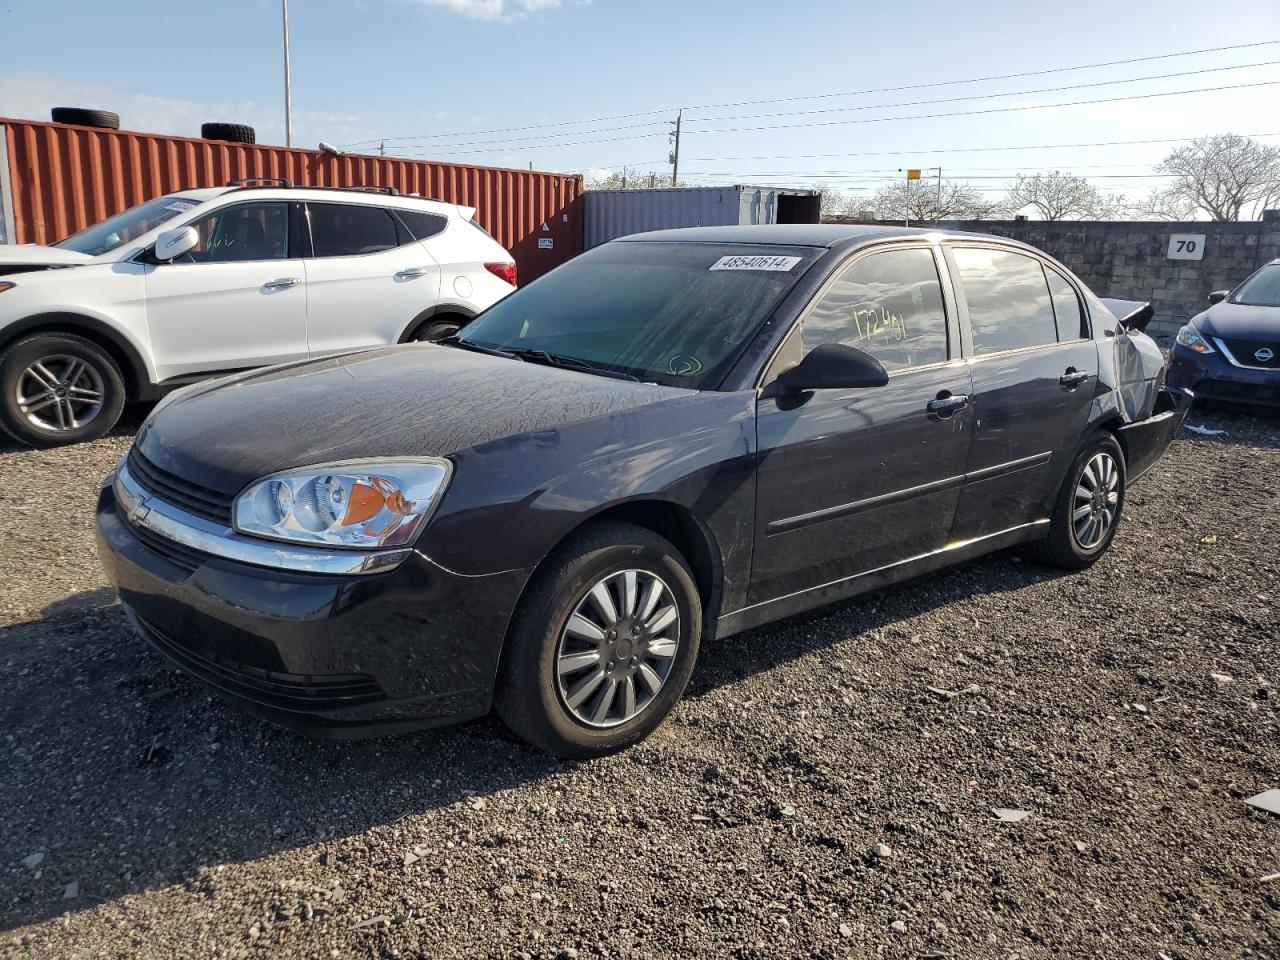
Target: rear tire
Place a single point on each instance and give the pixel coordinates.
(579, 683)
(58, 388)
(1087, 512)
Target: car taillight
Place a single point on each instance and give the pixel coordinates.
(503, 271)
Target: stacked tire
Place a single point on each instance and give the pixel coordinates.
(81, 117)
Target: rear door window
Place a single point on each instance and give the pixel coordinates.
(888, 304)
(350, 229)
(1008, 299)
(422, 225)
(1066, 307)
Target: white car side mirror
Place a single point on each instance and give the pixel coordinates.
(172, 244)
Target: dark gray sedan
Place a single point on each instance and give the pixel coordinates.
(674, 437)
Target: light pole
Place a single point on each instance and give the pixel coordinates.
(288, 96)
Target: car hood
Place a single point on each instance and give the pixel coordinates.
(1238, 321)
(33, 255)
(409, 400)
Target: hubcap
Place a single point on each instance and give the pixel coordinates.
(1097, 500)
(617, 648)
(60, 392)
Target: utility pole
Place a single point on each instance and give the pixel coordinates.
(937, 212)
(382, 149)
(675, 154)
(288, 96)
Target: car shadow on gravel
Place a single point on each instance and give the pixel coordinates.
(130, 421)
(125, 775)
(756, 651)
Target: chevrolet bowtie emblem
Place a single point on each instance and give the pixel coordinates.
(140, 511)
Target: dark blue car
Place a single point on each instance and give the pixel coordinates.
(1231, 352)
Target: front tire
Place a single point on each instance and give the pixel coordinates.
(58, 388)
(602, 645)
(1087, 512)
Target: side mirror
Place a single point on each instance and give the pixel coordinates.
(172, 244)
(1218, 296)
(833, 365)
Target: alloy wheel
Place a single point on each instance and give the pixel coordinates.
(1097, 500)
(617, 648)
(60, 393)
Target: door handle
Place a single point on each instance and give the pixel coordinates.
(1073, 378)
(946, 404)
(412, 273)
(284, 283)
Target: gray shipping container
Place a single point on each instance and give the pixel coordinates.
(608, 214)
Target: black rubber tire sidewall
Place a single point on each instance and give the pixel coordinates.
(22, 353)
(81, 117)
(527, 699)
(1059, 547)
(432, 331)
(228, 132)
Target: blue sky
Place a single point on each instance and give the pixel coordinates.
(450, 71)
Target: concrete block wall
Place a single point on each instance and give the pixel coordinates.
(1130, 260)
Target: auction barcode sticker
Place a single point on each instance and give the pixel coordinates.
(779, 264)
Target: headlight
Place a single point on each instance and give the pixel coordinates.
(1190, 338)
(6, 285)
(358, 503)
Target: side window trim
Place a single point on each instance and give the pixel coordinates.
(771, 369)
(396, 226)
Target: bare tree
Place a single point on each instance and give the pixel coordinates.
(837, 202)
(1058, 196)
(1224, 175)
(1163, 205)
(922, 200)
(628, 178)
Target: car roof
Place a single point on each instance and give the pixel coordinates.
(832, 235)
(328, 194)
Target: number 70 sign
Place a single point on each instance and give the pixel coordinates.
(1186, 246)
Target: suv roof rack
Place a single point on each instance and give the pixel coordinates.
(370, 188)
(274, 181)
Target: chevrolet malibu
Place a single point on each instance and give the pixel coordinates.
(675, 437)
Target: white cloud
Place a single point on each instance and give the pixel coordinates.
(31, 95)
(495, 9)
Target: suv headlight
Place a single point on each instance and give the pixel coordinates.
(359, 503)
(1190, 338)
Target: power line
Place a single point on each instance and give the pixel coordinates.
(1003, 76)
(972, 113)
(907, 153)
(986, 96)
(520, 142)
(500, 148)
(822, 96)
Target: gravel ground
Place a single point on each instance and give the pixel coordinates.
(811, 797)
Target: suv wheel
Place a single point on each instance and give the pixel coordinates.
(1087, 512)
(434, 330)
(603, 644)
(58, 388)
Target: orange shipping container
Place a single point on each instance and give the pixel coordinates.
(61, 179)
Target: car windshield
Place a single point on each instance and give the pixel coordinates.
(1262, 289)
(672, 313)
(132, 223)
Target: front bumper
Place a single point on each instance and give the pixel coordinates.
(413, 647)
(1210, 376)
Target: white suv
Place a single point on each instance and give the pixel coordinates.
(208, 281)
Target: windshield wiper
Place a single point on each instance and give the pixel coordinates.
(457, 341)
(569, 363)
